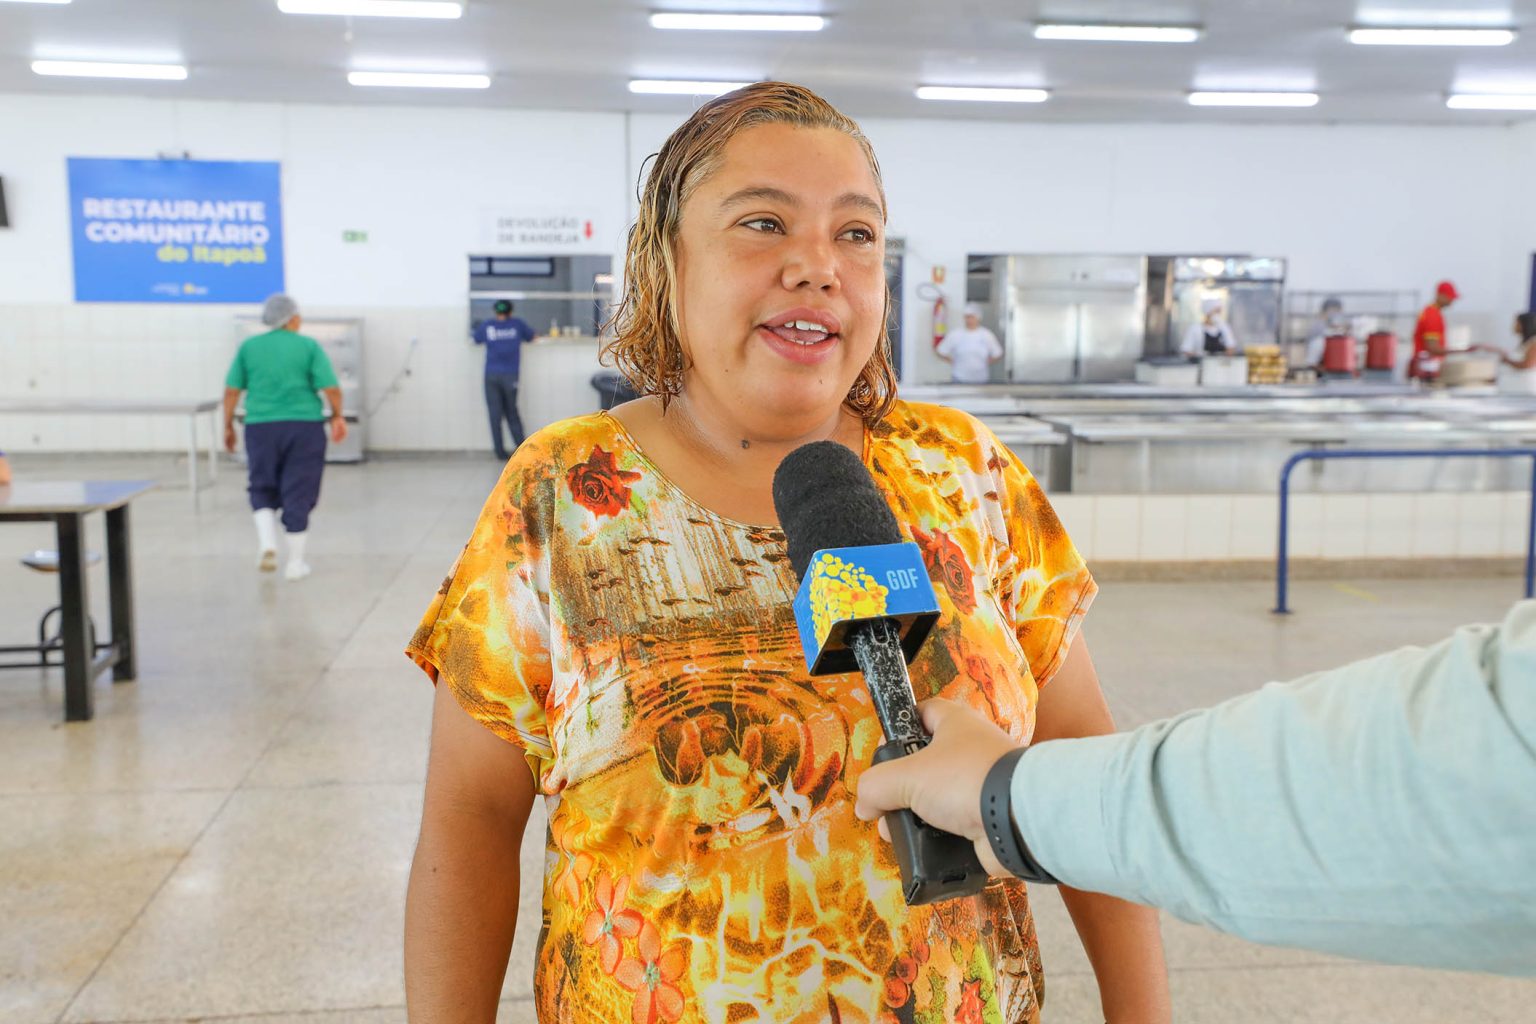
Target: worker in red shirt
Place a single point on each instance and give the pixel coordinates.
(1429, 345)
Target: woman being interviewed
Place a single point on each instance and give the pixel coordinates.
(621, 621)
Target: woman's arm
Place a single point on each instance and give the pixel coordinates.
(231, 400)
(461, 905)
(338, 421)
(1121, 939)
(1523, 359)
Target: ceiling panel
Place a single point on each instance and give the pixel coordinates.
(579, 54)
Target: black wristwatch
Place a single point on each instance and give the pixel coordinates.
(997, 818)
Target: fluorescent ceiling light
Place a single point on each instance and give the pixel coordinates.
(1509, 101)
(981, 94)
(1119, 33)
(1431, 36)
(35, 1)
(740, 22)
(1253, 99)
(95, 69)
(417, 80)
(676, 87)
(375, 8)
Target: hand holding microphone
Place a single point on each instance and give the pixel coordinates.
(942, 782)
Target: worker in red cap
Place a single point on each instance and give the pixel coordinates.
(1429, 345)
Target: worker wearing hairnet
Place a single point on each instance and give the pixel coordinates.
(283, 374)
(1330, 322)
(1212, 336)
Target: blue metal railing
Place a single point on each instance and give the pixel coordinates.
(1282, 557)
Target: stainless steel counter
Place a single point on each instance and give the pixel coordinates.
(960, 395)
(1025, 430)
(1134, 438)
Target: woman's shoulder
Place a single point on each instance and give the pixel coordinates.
(574, 437)
(553, 450)
(929, 424)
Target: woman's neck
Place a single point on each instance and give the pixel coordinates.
(722, 441)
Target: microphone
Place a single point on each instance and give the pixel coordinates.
(843, 542)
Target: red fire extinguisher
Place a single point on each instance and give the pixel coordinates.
(931, 293)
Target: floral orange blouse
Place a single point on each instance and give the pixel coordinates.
(704, 862)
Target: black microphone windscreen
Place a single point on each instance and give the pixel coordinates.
(825, 498)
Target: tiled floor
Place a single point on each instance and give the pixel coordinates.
(229, 840)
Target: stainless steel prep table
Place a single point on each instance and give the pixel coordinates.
(194, 411)
(1041, 447)
(1213, 454)
(1128, 437)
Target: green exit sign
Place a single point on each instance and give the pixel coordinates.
(354, 236)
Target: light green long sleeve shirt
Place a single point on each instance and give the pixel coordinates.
(1384, 810)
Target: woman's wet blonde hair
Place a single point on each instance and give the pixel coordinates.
(647, 333)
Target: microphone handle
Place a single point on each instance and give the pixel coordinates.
(876, 646)
(935, 865)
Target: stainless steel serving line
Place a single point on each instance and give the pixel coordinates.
(1132, 438)
(1039, 445)
(1024, 430)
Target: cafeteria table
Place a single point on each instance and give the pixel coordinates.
(66, 503)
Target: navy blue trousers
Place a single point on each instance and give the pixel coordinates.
(501, 404)
(285, 462)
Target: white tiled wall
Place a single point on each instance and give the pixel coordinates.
(1208, 527)
(1345, 525)
(1221, 527)
(1514, 521)
(183, 352)
(1117, 526)
(1391, 525)
(1164, 518)
(1479, 529)
(1434, 524)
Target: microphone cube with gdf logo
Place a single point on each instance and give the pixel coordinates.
(843, 586)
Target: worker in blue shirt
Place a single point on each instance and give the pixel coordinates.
(503, 339)
(1385, 810)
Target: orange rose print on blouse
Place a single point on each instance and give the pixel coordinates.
(600, 485)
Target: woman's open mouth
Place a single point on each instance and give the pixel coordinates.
(802, 335)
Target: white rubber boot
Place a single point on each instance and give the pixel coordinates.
(297, 568)
(266, 538)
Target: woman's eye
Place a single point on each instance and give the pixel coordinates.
(863, 236)
(763, 224)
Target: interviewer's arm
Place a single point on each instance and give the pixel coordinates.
(461, 905)
(1384, 810)
(1121, 939)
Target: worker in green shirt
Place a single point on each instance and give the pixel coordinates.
(283, 373)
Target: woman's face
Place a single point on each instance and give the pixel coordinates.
(781, 279)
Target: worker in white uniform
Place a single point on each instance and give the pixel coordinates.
(970, 351)
(1212, 336)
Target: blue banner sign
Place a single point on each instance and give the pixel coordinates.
(175, 230)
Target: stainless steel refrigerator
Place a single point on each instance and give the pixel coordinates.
(1069, 319)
